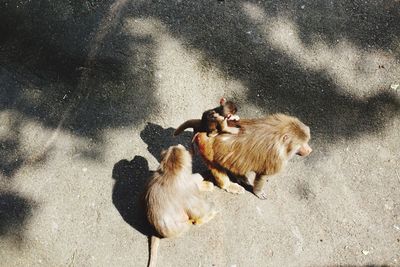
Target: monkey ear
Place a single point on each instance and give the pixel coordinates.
(222, 101)
(285, 137)
(161, 167)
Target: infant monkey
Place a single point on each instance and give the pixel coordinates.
(173, 200)
(215, 120)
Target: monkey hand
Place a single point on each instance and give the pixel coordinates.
(233, 118)
(219, 118)
(206, 186)
(235, 188)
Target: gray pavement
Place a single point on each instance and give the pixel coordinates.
(91, 91)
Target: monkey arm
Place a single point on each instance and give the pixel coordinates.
(224, 126)
(227, 129)
(233, 118)
(205, 145)
(202, 185)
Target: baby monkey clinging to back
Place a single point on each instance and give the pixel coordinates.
(214, 121)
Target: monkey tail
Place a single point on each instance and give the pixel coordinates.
(154, 243)
(195, 124)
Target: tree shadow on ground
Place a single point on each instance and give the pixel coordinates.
(367, 24)
(230, 40)
(11, 150)
(71, 66)
(49, 74)
(12, 159)
(15, 213)
(367, 265)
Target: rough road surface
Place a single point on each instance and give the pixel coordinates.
(91, 91)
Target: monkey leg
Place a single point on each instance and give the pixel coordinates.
(258, 187)
(206, 186)
(231, 130)
(213, 133)
(206, 218)
(226, 129)
(203, 185)
(182, 228)
(202, 213)
(223, 181)
(249, 178)
(175, 228)
(204, 143)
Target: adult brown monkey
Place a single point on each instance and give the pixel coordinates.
(172, 199)
(261, 149)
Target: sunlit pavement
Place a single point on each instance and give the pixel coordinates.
(87, 85)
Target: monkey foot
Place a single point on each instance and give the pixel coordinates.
(235, 188)
(206, 186)
(204, 219)
(261, 194)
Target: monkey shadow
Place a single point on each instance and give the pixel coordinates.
(158, 139)
(131, 178)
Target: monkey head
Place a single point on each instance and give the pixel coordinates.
(175, 158)
(295, 139)
(229, 108)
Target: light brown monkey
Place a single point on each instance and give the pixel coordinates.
(261, 149)
(173, 201)
(214, 121)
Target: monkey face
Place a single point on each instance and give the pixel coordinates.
(229, 108)
(297, 141)
(304, 150)
(301, 149)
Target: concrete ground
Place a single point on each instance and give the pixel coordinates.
(91, 91)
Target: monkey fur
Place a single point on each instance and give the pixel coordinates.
(214, 121)
(261, 149)
(173, 201)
